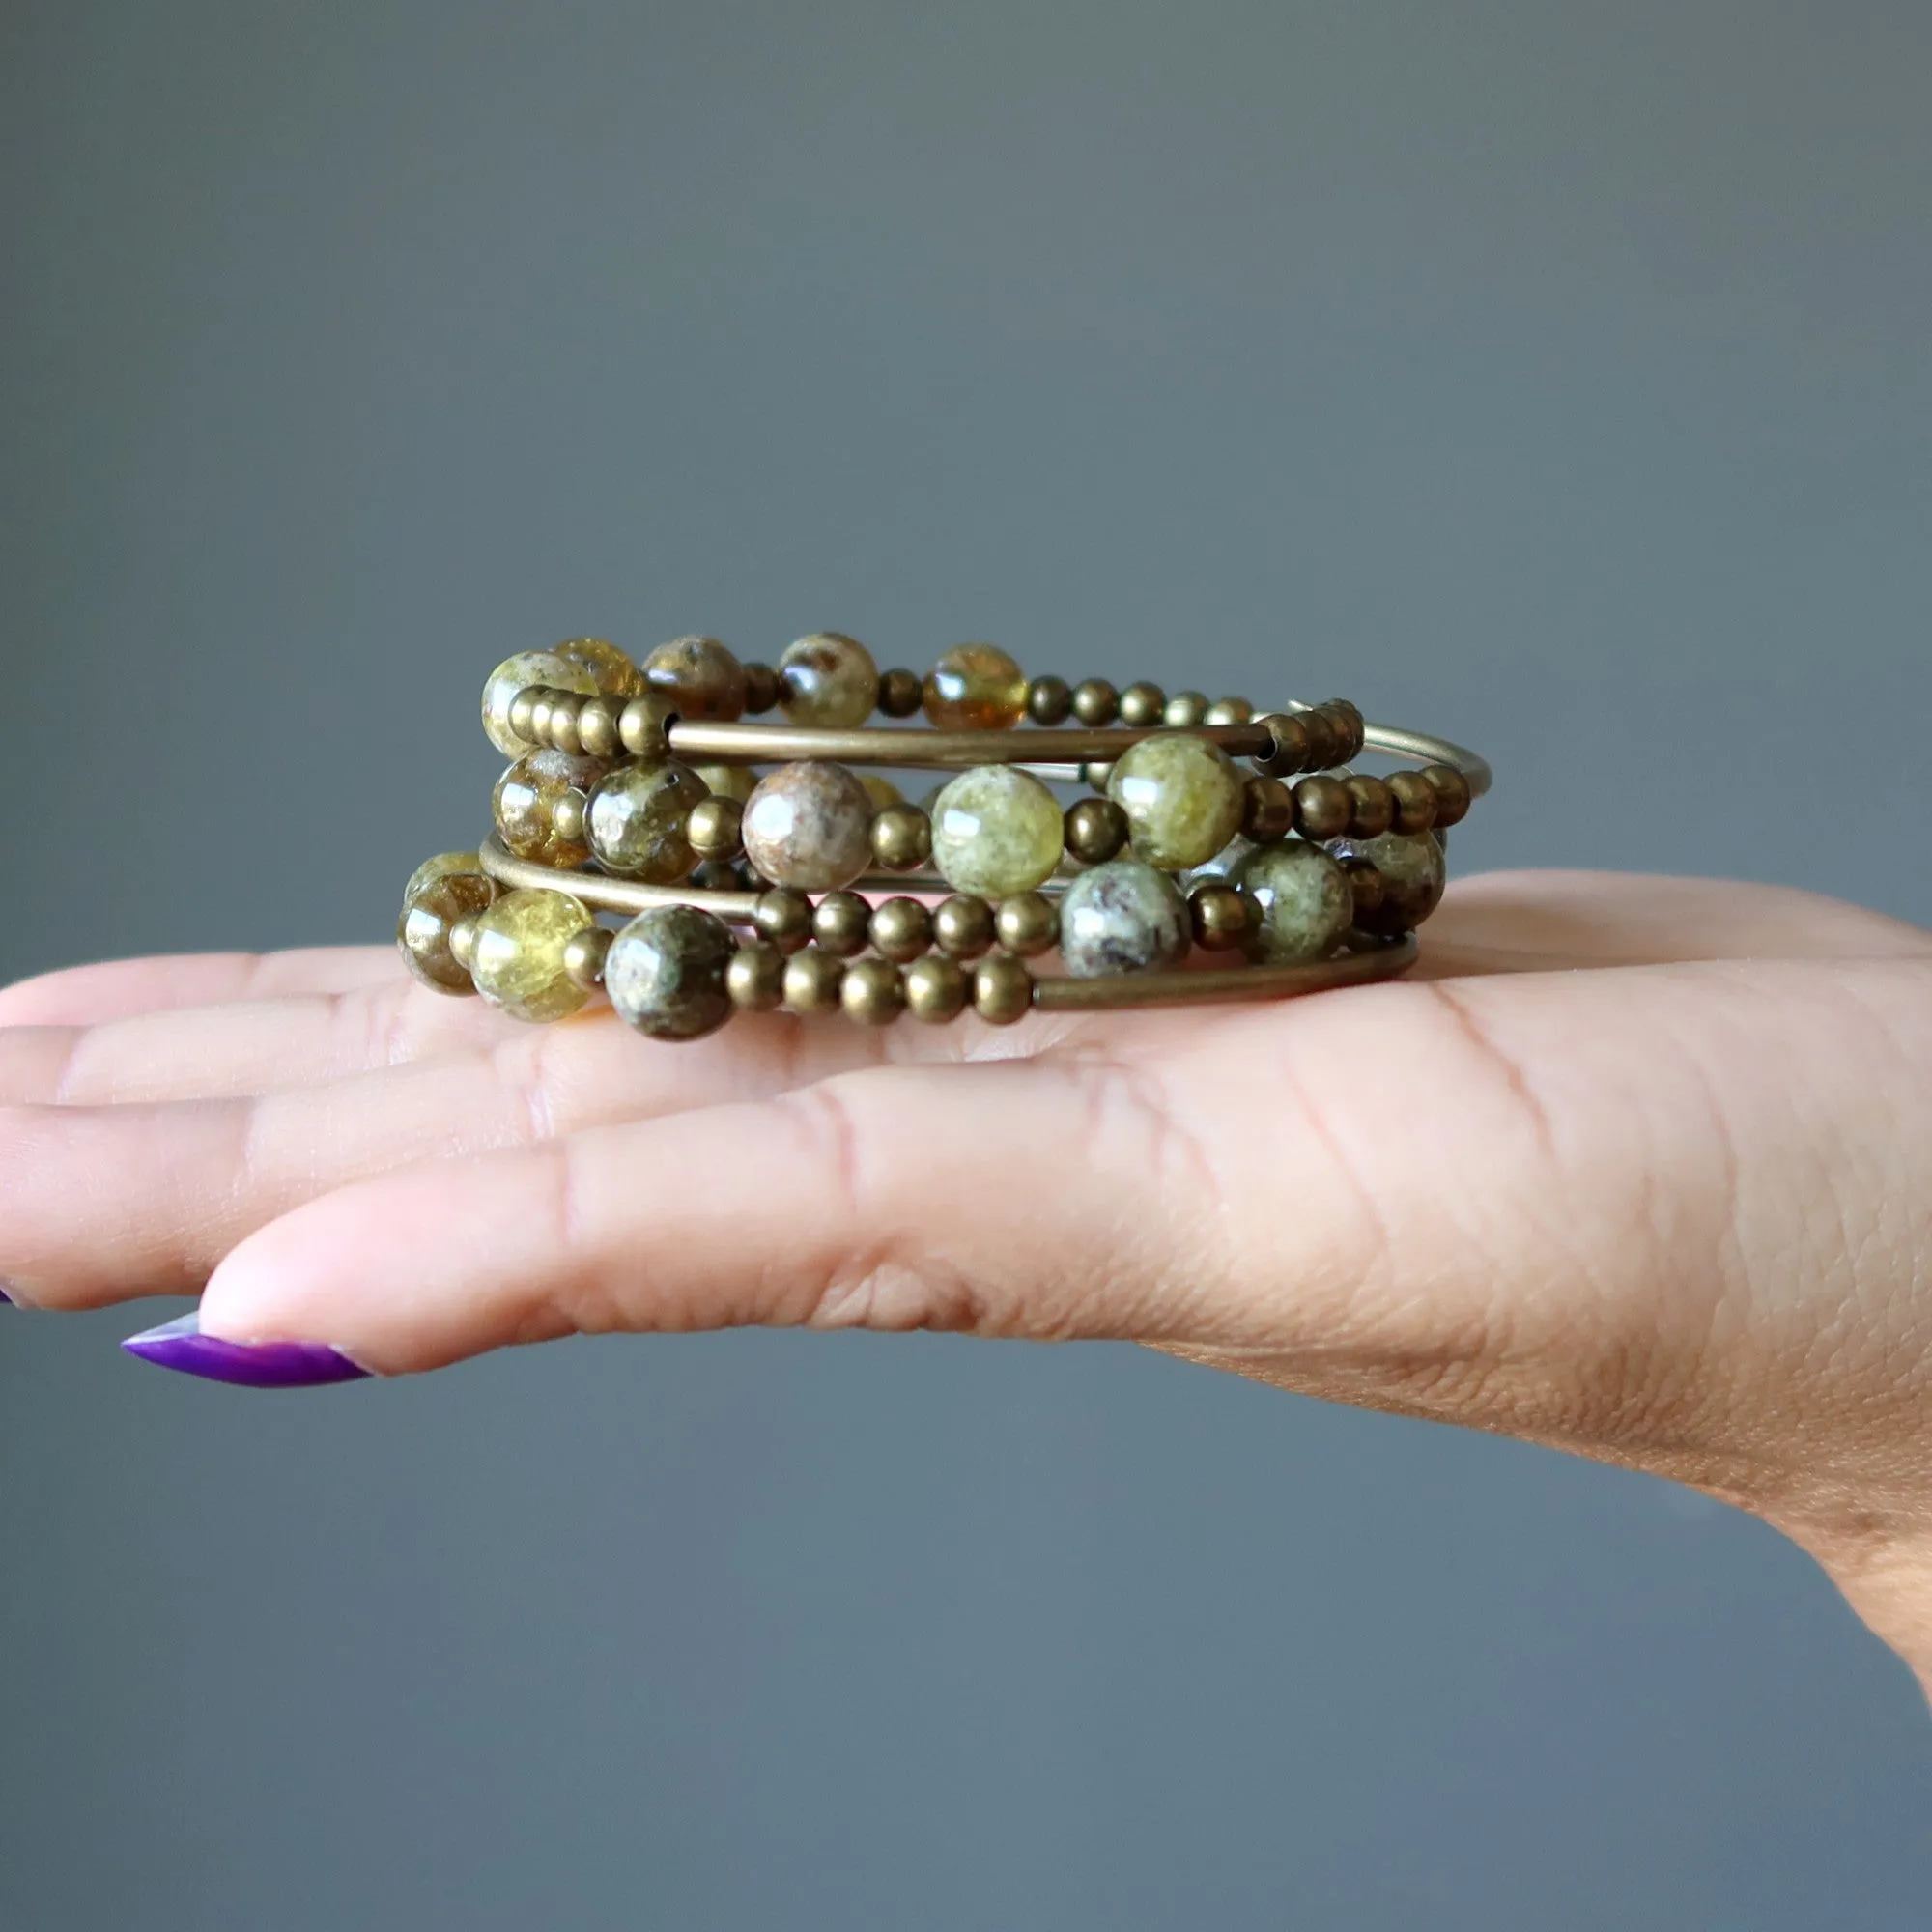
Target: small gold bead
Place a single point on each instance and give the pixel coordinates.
(1351, 726)
(1220, 916)
(1185, 710)
(1453, 796)
(1001, 989)
(811, 982)
(641, 727)
(1230, 711)
(762, 689)
(1049, 701)
(565, 707)
(901, 837)
(540, 705)
(1365, 881)
(1268, 811)
(935, 988)
(901, 929)
(1096, 829)
(842, 923)
(584, 957)
(1374, 808)
(463, 940)
(873, 992)
(1325, 739)
(1322, 807)
(597, 727)
(1098, 773)
(962, 927)
(1291, 747)
(523, 712)
(755, 976)
(1096, 702)
(1141, 704)
(1414, 802)
(567, 816)
(784, 916)
(716, 828)
(1027, 924)
(900, 693)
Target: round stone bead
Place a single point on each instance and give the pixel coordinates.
(1183, 797)
(699, 678)
(810, 825)
(1414, 875)
(616, 674)
(976, 688)
(666, 973)
(996, 831)
(638, 820)
(520, 961)
(828, 680)
(882, 792)
(727, 780)
(1300, 903)
(1123, 917)
(525, 801)
(519, 673)
(441, 891)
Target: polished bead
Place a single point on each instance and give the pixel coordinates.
(901, 837)
(525, 801)
(1184, 710)
(784, 916)
(1230, 711)
(1413, 875)
(736, 782)
(665, 973)
(641, 727)
(1267, 810)
(716, 827)
(1366, 883)
(597, 726)
(519, 673)
(1324, 740)
(1182, 798)
(900, 693)
(698, 678)
(523, 715)
(873, 992)
(616, 674)
(1123, 917)
(900, 929)
(1049, 701)
(639, 820)
(1322, 807)
(811, 982)
(1453, 795)
(1095, 830)
(935, 988)
(559, 722)
(828, 680)
(1300, 903)
(996, 829)
(1414, 803)
(1290, 752)
(1352, 729)
(463, 942)
(755, 976)
(583, 957)
(1001, 989)
(1097, 773)
(842, 923)
(1372, 810)
(1096, 702)
(568, 816)
(522, 941)
(1027, 924)
(976, 688)
(762, 689)
(882, 792)
(723, 875)
(810, 825)
(1219, 915)
(1141, 704)
(442, 891)
(962, 926)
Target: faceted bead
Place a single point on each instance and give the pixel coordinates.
(728, 780)
(996, 831)
(828, 680)
(1183, 797)
(526, 803)
(1414, 875)
(976, 688)
(1300, 904)
(520, 673)
(666, 973)
(639, 820)
(700, 677)
(441, 891)
(1123, 917)
(810, 825)
(616, 674)
(520, 961)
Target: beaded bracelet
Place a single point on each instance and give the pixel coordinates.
(635, 790)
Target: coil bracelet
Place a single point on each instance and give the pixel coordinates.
(640, 791)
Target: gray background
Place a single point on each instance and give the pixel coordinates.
(1554, 375)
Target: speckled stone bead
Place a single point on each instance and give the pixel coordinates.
(519, 673)
(699, 678)
(1300, 904)
(1183, 797)
(518, 960)
(828, 680)
(810, 825)
(638, 823)
(1121, 917)
(996, 831)
(976, 688)
(616, 674)
(441, 891)
(1414, 875)
(666, 973)
(525, 801)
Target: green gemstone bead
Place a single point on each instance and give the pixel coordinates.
(616, 674)
(1183, 797)
(1415, 874)
(441, 891)
(666, 973)
(828, 680)
(519, 964)
(1123, 917)
(1300, 903)
(637, 817)
(519, 673)
(996, 831)
(976, 688)
(525, 801)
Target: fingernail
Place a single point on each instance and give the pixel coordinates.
(181, 1345)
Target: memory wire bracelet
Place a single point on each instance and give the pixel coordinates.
(637, 790)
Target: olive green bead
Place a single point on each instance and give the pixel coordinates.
(1183, 797)
(1414, 875)
(525, 801)
(976, 688)
(1300, 904)
(1123, 917)
(638, 820)
(441, 891)
(520, 960)
(828, 680)
(616, 674)
(996, 831)
(699, 678)
(810, 825)
(665, 973)
(520, 673)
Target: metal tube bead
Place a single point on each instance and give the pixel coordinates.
(1219, 985)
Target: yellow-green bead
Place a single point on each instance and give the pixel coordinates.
(1414, 877)
(520, 960)
(441, 891)
(1300, 902)
(728, 780)
(616, 674)
(525, 801)
(520, 673)
(1182, 798)
(976, 688)
(638, 818)
(881, 791)
(828, 680)
(996, 831)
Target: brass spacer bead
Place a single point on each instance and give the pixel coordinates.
(811, 982)
(1352, 729)
(463, 940)
(714, 829)
(540, 717)
(1049, 701)
(935, 989)
(901, 929)
(597, 729)
(901, 693)
(1453, 796)
(643, 725)
(1291, 746)
(1141, 704)
(1098, 773)
(1230, 711)
(842, 923)
(1185, 710)
(873, 992)
(521, 714)
(1027, 924)
(1365, 881)
(584, 957)
(783, 916)
(1268, 811)
(1096, 702)
(564, 709)
(755, 976)
(568, 815)
(1001, 989)
(1325, 739)
(1414, 802)
(901, 837)
(962, 926)
(1322, 807)
(1374, 808)
(1219, 914)
(762, 689)
(1097, 829)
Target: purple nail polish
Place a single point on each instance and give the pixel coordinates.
(181, 1345)
(4, 1297)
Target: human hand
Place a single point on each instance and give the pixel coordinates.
(1671, 1211)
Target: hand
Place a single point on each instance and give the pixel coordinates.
(1673, 1210)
